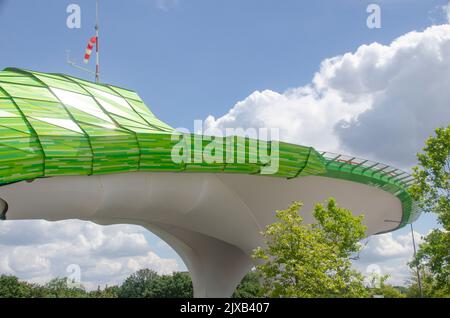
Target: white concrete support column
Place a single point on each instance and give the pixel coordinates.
(216, 267)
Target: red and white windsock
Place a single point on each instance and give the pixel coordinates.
(89, 48)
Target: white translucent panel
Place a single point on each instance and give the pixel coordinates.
(116, 99)
(112, 109)
(29, 92)
(81, 102)
(6, 114)
(111, 103)
(107, 126)
(63, 123)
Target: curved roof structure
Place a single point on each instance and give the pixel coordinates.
(72, 149)
(54, 125)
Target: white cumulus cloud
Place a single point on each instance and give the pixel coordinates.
(446, 10)
(390, 253)
(379, 102)
(166, 5)
(38, 251)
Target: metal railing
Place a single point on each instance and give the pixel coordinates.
(368, 167)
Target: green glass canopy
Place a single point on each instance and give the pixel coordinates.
(54, 124)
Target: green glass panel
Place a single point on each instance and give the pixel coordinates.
(47, 129)
(126, 93)
(81, 102)
(86, 85)
(24, 91)
(20, 80)
(37, 108)
(60, 83)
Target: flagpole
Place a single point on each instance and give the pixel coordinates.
(419, 281)
(97, 64)
(90, 47)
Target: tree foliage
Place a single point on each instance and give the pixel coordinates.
(432, 176)
(61, 288)
(146, 283)
(250, 286)
(11, 287)
(139, 285)
(143, 283)
(178, 285)
(312, 260)
(429, 289)
(431, 190)
(107, 292)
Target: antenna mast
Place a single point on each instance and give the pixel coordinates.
(97, 65)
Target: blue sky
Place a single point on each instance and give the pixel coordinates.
(198, 58)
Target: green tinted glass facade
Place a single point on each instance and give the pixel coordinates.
(54, 124)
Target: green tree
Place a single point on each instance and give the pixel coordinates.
(177, 285)
(146, 283)
(432, 176)
(312, 260)
(107, 292)
(431, 189)
(429, 289)
(139, 285)
(38, 291)
(60, 287)
(11, 287)
(250, 286)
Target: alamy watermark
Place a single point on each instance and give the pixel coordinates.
(373, 276)
(374, 19)
(235, 145)
(74, 276)
(73, 20)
